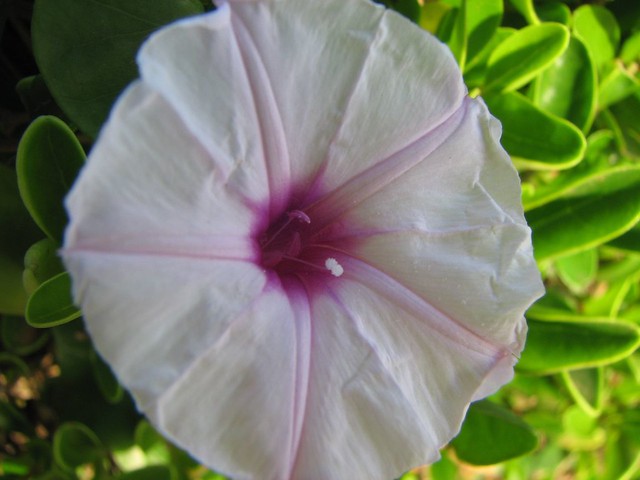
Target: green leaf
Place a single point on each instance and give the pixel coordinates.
(586, 387)
(568, 87)
(156, 472)
(524, 55)
(525, 7)
(536, 139)
(556, 346)
(482, 21)
(579, 270)
(456, 38)
(18, 233)
(629, 242)
(492, 434)
(554, 12)
(569, 226)
(627, 124)
(600, 172)
(107, 382)
(49, 158)
(74, 445)
(51, 304)
(598, 28)
(617, 85)
(476, 68)
(630, 52)
(20, 338)
(41, 262)
(86, 49)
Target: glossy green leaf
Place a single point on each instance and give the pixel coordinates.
(482, 21)
(555, 346)
(630, 51)
(525, 7)
(522, 56)
(536, 139)
(476, 69)
(18, 234)
(586, 386)
(51, 304)
(408, 8)
(617, 84)
(86, 49)
(601, 172)
(630, 241)
(49, 158)
(74, 444)
(554, 12)
(569, 226)
(457, 37)
(41, 262)
(626, 115)
(598, 28)
(568, 87)
(492, 434)
(579, 270)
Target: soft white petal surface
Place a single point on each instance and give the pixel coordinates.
(152, 188)
(319, 89)
(375, 351)
(454, 232)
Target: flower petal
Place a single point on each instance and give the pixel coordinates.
(152, 317)
(390, 380)
(246, 394)
(309, 75)
(462, 227)
(151, 188)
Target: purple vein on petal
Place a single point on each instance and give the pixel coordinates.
(356, 190)
(402, 296)
(218, 247)
(299, 298)
(274, 148)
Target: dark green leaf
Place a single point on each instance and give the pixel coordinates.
(18, 234)
(20, 338)
(48, 161)
(555, 346)
(522, 56)
(568, 87)
(536, 139)
(86, 49)
(525, 7)
(492, 434)
(41, 262)
(107, 382)
(586, 386)
(476, 68)
(51, 304)
(74, 444)
(157, 472)
(569, 226)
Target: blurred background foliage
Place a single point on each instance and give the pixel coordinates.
(562, 76)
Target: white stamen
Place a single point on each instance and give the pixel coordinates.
(334, 267)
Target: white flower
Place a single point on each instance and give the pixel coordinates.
(299, 244)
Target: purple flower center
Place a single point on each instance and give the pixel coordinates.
(286, 247)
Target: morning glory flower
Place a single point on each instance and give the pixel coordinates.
(299, 244)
